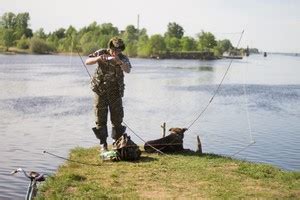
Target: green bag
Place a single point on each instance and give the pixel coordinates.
(109, 155)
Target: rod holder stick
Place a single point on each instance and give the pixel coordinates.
(199, 145)
(163, 126)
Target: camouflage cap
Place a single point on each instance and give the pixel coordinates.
(116, 44)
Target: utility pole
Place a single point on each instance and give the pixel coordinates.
(138, 22)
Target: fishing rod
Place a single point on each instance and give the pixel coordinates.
(83, 63)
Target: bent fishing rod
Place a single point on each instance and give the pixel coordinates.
(83, 63)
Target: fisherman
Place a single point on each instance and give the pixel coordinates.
(108, 86)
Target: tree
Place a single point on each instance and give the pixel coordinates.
(103, 40)
(157, 44)
(40, 33)
(22, 20)
(92, 27)
(225, 45)
(206, 41)
(70, 40)
(222, 46)
(18, 23)
(172, 43)
(71, 32)
(174, 30)
(143, 47)
(60, 33)
(21, 25)
(53, 42)
(88, 42)
(14, 28)
(142, 32)
(23, 43)
(8, 20)
(8, 38)
(108, 29)
(188, 44)
(131, 34)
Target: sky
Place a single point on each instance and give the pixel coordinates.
(269, 25)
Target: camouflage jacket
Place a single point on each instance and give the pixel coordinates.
(109, 71)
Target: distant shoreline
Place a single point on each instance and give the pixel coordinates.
(167, 55)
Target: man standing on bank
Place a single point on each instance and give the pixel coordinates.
(108, 86)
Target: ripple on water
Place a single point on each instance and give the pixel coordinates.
(47, 106)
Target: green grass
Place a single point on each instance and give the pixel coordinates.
(177, 176)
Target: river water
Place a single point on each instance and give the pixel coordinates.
(46, 104)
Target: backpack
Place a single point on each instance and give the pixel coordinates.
(126, 148)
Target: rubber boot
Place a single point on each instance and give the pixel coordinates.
(102, 135)
(103, 147)
(117, 132)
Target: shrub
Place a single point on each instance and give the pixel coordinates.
(23, 43)
(38, 45)
(89, 48)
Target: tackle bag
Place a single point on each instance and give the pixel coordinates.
(126, 148)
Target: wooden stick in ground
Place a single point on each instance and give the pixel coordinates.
(163, 126)
(199, 146)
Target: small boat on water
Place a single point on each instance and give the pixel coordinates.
(231, 55)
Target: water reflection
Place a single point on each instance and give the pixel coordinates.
(205, 68)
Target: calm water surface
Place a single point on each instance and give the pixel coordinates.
(46, 104)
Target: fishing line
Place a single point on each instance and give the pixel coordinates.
(245, 98)
(71, 57)
(252, 141)
(142, 138)
(218, 88)
(246, 107)
(244, 148)
(50, 139)
(67, 159)
(70, 62)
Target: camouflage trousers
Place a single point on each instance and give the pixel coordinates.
(108, 97)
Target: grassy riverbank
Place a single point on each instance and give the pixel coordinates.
(162, 177)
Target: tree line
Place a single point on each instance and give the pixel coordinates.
(15, 32)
